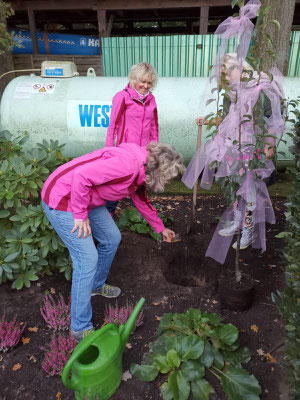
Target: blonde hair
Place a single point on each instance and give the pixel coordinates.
(139, 70)
(164, 163)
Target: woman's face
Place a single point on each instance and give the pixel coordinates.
(144, 84)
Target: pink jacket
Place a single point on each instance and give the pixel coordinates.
(111, 173)
(132, 120)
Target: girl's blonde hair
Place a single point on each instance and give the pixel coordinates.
(139, 70)
(164, 164)
(231, 61)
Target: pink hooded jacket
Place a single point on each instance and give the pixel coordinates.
(111, 173)
(132, 120)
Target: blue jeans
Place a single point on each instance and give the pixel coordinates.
(91, 264)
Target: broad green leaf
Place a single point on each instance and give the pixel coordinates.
(134, 215)
(4, 213)
(218, 358)
(145, 373)
(227, 333)
(212, 318)
(31, 276)
(207, 357)
(11, 257)
(237, 383)
(166, 322)
(166, 391)
(161, 364)
(192, 370)
(191, 347)
(201, 389)
(180, 387)
(241, 355)
(172, 359)
(18, 283)
(141, 228)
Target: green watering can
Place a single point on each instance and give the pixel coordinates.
(96, 362)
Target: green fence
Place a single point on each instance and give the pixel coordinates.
(178, 55)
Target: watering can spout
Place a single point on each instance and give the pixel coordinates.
(126, 329)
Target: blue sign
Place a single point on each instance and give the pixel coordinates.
(54, 71)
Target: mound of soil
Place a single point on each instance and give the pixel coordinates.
(172, 278)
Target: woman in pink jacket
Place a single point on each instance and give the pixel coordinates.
(133, 116)
(74, 198)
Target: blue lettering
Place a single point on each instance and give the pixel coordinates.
(97, 114)
(85, 115)
(105, 119)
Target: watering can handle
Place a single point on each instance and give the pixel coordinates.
(79, 349)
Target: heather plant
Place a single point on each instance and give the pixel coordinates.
(29, 244)
(10, 333)
(57, 353)
(119, 315)
(56, 314)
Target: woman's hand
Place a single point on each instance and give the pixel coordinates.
(167, 235)
(83, 228)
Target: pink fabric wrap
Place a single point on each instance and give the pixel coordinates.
(221, 156)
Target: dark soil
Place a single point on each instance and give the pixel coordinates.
(172, 278)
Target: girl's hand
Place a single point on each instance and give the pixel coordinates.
(269, 151)
(83, 228)
(167, 235)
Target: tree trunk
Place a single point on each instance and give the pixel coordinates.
(283, 12)
(6, 62)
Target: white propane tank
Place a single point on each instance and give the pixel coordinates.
(76, 110)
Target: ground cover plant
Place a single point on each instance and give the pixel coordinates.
(131, 219)
(186, 346)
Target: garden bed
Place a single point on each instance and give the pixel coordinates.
(172, 278)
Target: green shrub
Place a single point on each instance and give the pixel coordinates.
(29, 244)
(288, 302)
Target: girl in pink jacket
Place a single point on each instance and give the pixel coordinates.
(74, 198)
(133, 116)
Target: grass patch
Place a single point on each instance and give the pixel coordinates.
(282, 187)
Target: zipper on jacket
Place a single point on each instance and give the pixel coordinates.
(144, 107)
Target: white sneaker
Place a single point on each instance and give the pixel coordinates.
(247, 238)
(234, 225)
(230, 230)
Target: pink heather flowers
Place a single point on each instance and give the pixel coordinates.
(57, 316)
(119, 316)
(57, 353)
(10, 334)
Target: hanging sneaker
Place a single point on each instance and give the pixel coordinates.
(247, 238)
(234, 225)
(108, 291)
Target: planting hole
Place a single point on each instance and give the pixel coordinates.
(190, 268)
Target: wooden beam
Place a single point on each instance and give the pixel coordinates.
(109, 25)
(114, 5)
(32, 28)
(101, 14)
(204, 11)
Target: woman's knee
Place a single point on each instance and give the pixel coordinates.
(115, 237)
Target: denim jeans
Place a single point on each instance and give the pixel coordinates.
(91, 264)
